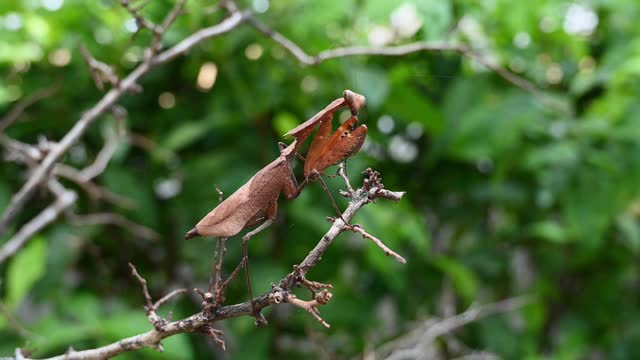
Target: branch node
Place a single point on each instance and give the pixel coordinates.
(100, 72)
(260, 319)
(208, 302)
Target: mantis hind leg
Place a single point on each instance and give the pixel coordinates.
(317, 175)
(270, 214)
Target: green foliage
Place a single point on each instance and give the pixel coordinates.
(26, 268)
(506, 195)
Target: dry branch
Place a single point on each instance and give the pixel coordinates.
(65, 198)
(18, 109)
(282, 293)
(63, 201)
(236, 17)
(416, 344)
(402, 50)
(40, 173)
(154, 56)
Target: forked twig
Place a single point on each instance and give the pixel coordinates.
(311, 307)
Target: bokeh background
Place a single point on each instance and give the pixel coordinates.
(507, 193)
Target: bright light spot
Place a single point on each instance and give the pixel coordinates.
(544, 198)
(484, 165)
(344, 116)
(22, 67)
(580, 20)
(547, 24)
(60, 57)
(373, 149)
(402, 150)
(333, 31)
(554, 74)
(253, 51)
(14, 92)
(414, 130)
(131, 25)
(405, 20)
(31, 4)
(167, 188)
(133, 55)
(103, 36)
(522, 40)
(517, 64)
(587, 64)
(78, 154)
(52, 5)
(544, 59)
(166, 100)
(309, 84)
(472, 29)
(12, 21)
(558, 129)
(277, 52)
(261, 6)
(207, 76)
(380, 36)
(386, 124)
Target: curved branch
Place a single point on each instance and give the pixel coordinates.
(199, 321)
(401, 50)
(19, 199)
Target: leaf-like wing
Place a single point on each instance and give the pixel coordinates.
(243, 206)
(345, 142)
(302, 131)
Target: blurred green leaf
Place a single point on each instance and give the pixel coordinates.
(550, 230)
(437, 17)
(463, 279)
(284, 122)
(183, 135)
(25, 269)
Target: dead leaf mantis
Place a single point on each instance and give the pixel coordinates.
(256, 201)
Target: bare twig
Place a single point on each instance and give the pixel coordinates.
(18, 109)
(312, 306)
(99, 70)
(232, 276)
(101, 161)
(113, 219)
(168, 297)
(277, 295)
(219, 297)
(212, 274)
(40, 173)
(31, 154)
(141, 21)
(94, 190)
(150, 309)
(401, 50)
(13, 322)
(387, 251)
(65, 198)
(215, 334)
(234, 19)
(143, 283)
(342, 172)
(414, 345)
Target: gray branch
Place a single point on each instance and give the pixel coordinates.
(199, 321)
(39, 175)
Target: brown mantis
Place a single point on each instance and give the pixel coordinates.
(256, 201)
